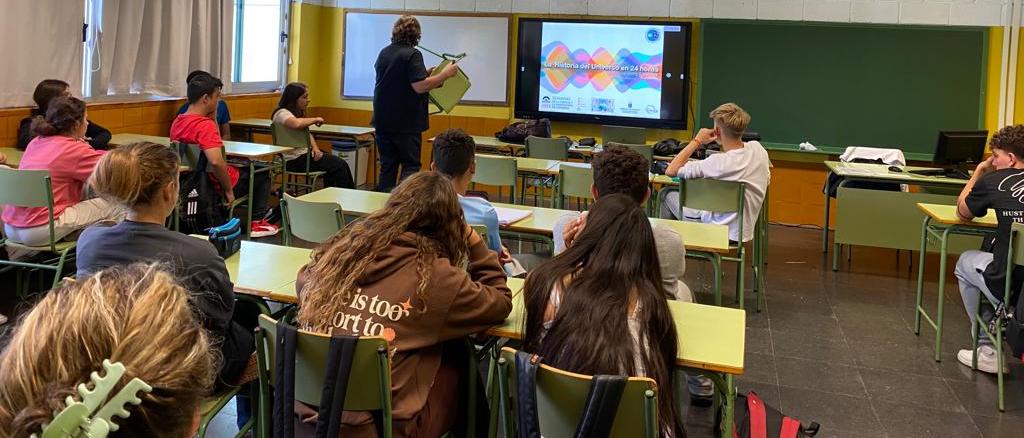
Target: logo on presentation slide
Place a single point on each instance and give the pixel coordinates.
(653, 35)
(546, 99)
(626, 70)
(651, 109)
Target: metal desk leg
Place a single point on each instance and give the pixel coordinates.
(942, 292)
(248, 214)
(727, 397)
(824, 228)
(837, 250)
(716, 267)
(920, 275)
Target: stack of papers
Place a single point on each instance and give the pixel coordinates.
(508, 216)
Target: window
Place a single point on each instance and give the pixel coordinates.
(260, 44)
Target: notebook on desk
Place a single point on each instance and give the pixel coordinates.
(507, 216)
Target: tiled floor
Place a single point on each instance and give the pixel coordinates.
(837, 348)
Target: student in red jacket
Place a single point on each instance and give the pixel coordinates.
(60, 149)
(196, 126)
(399, 274)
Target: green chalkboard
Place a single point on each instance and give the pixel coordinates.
(845, 85)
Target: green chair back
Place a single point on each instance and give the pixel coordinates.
(547, 148)
(285, 136)
(497, 171)
(561, 396)
(623, 134)
(311, 221)
(642, 149)
(369, 384)
(575, 181)
(482, 231)
(28, 188)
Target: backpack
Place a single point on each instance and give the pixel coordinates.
(200, 204)
(755, 419)
(667, 147)
(518, 131)
(1013, 320)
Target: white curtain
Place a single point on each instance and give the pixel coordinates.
(42, 39)
(149, 46)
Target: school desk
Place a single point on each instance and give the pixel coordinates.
(711, 339)
(250, 151)
(879, 218)
(514, 149)
(13, 156)
(940, 223)
(697, 237)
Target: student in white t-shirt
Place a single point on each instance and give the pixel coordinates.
(739, 161)
(291, 112)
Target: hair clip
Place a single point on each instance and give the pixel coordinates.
(77, 419)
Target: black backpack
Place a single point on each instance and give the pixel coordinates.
(199, 202)
(756, 419)
(518, 131)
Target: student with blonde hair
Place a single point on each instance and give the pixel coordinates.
(399, 274)
(134, 315)
(739, 161)
(143, 179)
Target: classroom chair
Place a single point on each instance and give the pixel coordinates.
(642, 149)
(369, 380)
(298, 139)
(722, 197)
(575, 181)
(482, 231)
(310, 221)
(499, 172)
(561, 397)
(623, 134)
(1015, 257)
(546, 149)
(32, 188)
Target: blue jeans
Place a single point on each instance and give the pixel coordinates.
(969, 268)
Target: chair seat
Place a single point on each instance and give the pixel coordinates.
(60, 246)
(316, 172)
(216, 401)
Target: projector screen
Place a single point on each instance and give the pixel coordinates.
(611, 72)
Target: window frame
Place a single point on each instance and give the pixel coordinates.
(284, 35)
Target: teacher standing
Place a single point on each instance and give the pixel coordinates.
(400, 102)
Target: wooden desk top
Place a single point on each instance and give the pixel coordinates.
(696, 236)
(266, 270)
(13, 156)
(231, 148)
(531, 165)
(946, 214)
(710, 337)
(881, 172)
(325, 129)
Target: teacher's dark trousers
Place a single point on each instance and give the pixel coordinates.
(397, 149)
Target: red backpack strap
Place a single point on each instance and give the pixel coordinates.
(790, 428)
(755, 408)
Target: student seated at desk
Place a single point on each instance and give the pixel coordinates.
(454, 156)
(196, 127)
(745, 162)
(984, 272)
(605, 288)
(97, 136)
(223, 116)
(291, 112)
(134, 315)
(58, 148)
(408, 255)
(620, 170)
(143, 178)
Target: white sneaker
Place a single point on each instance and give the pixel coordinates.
(986, 359)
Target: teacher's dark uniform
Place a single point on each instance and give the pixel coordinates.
(399, 112)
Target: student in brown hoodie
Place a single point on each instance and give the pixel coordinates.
(398, 274)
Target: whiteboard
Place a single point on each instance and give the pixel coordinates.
(484, 40)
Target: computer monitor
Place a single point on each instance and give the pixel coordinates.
(959, 148)
(623, 134)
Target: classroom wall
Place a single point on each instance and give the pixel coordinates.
(150, 117)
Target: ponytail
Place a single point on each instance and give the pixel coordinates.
(61, 117)
(133, 175)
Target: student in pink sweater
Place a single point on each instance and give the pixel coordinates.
(59, 148)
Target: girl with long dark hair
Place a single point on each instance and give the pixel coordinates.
(607, 286)
(291, 113)
(97, 136)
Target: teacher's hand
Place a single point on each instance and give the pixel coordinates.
(450, 70)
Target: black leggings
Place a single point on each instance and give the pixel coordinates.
(260, 192)
(336, 171)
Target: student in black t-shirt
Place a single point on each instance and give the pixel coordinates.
(400, 102)
(997, 184)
